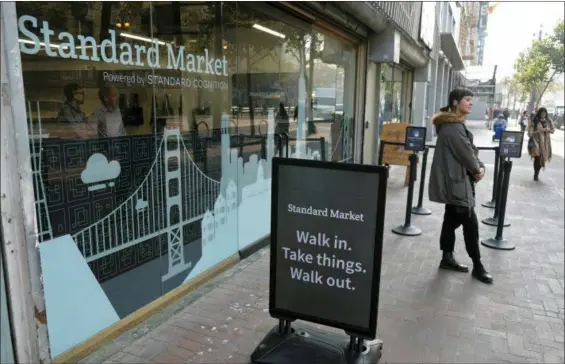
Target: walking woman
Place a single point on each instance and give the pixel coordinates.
(539, 145)
(455, 170)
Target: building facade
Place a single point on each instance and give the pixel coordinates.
(144, 132)
(482, 30)
(469, 32)
(395, 52)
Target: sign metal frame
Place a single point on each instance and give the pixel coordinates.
(368, 332)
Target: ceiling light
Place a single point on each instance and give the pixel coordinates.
(143, 39)
(27, 41)
(270, 31)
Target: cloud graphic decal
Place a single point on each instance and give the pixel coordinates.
(98, 169)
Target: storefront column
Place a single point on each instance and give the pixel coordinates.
(450, 76)
(372, 90)
(20, 246)
(445, 81)
(347, 139)
(419, 95)
(441, 71)
(432, 99)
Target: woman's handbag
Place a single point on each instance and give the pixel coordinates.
(531, 146)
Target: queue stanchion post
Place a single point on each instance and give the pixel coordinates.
(323, 148)
(510, 146)
(381, 151)
(278, 141)
(284, 136)
(205, 155)
(498, 242)
(419, 209)
(492, 203)
(263, 148)
(493, 221)
(241, 143)
(407, 229)
(415, 141)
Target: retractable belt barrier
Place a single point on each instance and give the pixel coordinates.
(419, 209)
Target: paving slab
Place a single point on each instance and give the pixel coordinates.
(425, 315)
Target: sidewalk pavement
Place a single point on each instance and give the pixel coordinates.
(425, 315)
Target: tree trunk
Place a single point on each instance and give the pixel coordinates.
(249, 97)
(310, 81)
(507, 99)
(538, 100)
(217, 104)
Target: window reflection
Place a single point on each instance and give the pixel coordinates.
(84, 90)
(395, 95)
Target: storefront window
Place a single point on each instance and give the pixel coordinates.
(395, 94)
(152, 130)
(326, 71)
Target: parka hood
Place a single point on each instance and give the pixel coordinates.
(447, 117)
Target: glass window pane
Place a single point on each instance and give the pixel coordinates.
(98, 195)
(386, 72)
(387, 101)
(152, 131)
(333, 90)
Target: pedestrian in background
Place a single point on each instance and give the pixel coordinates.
(506, 115)
(524, 120)
(539, 145)
(455, 170)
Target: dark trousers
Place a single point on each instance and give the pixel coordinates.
(537, 165)
(454, 217)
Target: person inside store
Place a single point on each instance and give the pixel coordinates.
(108, 117)
(540, 129)
(71, 112)
(282, 124)
(455, 170)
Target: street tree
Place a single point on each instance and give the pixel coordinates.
(513, 92)
(538, 66)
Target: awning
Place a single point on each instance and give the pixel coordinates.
(450, 49)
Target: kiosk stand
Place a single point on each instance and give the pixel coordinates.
(325, 262)
(510, 147)
(416, 142)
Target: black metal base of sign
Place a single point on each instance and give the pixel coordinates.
(307, 345)
(407, 230)
(489, 204)
(421, 211)
(491, 221)
(498, 244)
